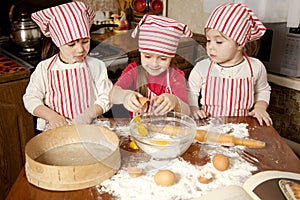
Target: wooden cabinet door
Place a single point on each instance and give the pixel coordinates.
(16, 129)
(10, 148)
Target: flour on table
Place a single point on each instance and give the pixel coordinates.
(124, 187)
(122, 128)
(218, 126)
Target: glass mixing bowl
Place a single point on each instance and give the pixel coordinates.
(163, 136)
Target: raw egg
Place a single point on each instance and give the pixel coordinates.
(220, 162)
(165, 178)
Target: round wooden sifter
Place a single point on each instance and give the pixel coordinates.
(72, 157)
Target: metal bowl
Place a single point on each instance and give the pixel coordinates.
(163, 137)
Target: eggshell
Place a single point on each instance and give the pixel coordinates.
(143, 101)
(134, 171)
(165, 178)
(220, 162)
(205, 178)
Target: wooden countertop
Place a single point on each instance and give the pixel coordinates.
(124, 40)
(277, 155)
(289, 82)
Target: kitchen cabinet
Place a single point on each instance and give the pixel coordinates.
(284, 107)
(16, 126)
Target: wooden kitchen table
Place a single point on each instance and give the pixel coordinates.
(277, 155)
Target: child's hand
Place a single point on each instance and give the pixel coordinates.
(85, 117)
(131, 101)
(261, 115)
(197, 113)
(164, 103)
(57, 121)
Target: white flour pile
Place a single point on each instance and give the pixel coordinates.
(124, 187)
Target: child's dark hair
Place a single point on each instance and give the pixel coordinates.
(48, 48)
(142, 81)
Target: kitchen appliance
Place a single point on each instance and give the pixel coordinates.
(280, 49)
(25, 33)
(114, 58)
(15, 52)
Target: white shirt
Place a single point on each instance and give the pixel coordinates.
(37, 90)
(197, 78)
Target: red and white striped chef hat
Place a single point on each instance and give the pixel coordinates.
(236, 21)
(160, 35)
(66, 22)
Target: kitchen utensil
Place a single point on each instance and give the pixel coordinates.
(25, 32)
(224, 139)
(156, 6)
(204, 136)
(72, 157)
(139, 5)
(148, 132)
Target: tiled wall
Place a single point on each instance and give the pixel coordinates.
(284, 109)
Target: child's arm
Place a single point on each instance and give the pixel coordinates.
(88, 115)
(54, 119)
(262, 92)
(128, 98)
(195, 83)
(260, 113)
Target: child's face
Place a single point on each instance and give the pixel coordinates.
(75, 51)
(222, 49)
(155, 64)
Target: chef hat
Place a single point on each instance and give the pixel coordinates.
(66, 22)
(237, 22)
(160, 35)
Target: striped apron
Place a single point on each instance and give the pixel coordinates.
(228, 96)
(70, 91)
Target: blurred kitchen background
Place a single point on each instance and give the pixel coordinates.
(19, 7)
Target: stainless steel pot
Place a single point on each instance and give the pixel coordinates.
(25, 32)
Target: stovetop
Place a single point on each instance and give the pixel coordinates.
(29, 57)
(114, 58)
(8, 66)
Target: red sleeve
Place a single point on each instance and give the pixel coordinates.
(128, 78)
(178, 83)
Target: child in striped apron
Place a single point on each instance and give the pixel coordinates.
(156, 78)
(69, 87)
(229, 82)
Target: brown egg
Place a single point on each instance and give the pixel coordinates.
(165, 178)
(220, 162)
